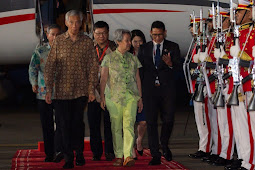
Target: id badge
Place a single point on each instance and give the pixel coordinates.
(157, 82)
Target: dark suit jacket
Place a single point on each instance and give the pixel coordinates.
(148, 72)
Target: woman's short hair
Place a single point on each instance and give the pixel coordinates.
(73, 13)
(118, 35)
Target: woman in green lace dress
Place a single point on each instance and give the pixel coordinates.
(121, 93)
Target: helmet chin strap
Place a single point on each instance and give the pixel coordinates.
(243, 17)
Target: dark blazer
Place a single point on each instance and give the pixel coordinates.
(148, 72)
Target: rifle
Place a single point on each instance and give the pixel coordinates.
(195, 32)
(234, 63)
(207, 83)
(203, 77)
(218, 99)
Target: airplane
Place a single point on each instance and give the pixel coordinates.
(22, 20)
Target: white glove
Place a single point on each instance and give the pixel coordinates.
(203, 55)
(253, 51)
(196, 56)
(222, 52)
(234, 50)
(217, 53)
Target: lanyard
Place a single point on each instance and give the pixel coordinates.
(101, 57)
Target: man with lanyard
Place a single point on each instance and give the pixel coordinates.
(103, 46)
(159, 89)
(241, 118)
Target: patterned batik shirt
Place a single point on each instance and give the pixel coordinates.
(72, 67)
(122, 76)
(36, 69)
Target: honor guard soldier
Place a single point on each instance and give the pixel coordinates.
(241, 89)
(222, 41)
(201, 117)
(207, 59)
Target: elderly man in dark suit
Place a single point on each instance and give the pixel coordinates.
(159, 58)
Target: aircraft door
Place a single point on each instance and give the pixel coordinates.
(53, 12)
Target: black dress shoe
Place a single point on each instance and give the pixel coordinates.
(242, 168)
(68, 165)
(109, 156)
(155, 161)
(80, 161)
(49, 159)
(140, 152)
(220, 162)
(207, 157)
(236, 164)
(197, 155)
(212, 159)
(167, 154)
(96, 158)
(58, 157)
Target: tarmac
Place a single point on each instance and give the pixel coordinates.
(21, 129)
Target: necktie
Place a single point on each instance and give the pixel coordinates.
(157, 56)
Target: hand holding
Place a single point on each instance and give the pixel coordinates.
(91, 97)
(253, 51)
(217, 53)
(196, 56)
(48, 98)
(203, 55)
(102, 103)
(167, 59)
(222, 52)
(35, 88)
(235, 49)
(140, 105)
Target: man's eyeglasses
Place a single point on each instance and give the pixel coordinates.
(157, 35)
(101, 33)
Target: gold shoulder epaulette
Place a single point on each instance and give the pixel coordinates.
(245, 26)
(225, 57)
(208, 59)
(245, 56)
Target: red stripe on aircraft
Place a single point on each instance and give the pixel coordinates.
(16, 18)
(114, 11)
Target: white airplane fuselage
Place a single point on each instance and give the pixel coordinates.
(18, 27)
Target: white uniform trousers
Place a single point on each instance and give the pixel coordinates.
(216, 139)
(248, 131)
(203, 126)
(226, 129)
(242, 133)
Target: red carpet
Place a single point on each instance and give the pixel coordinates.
(34, 159)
